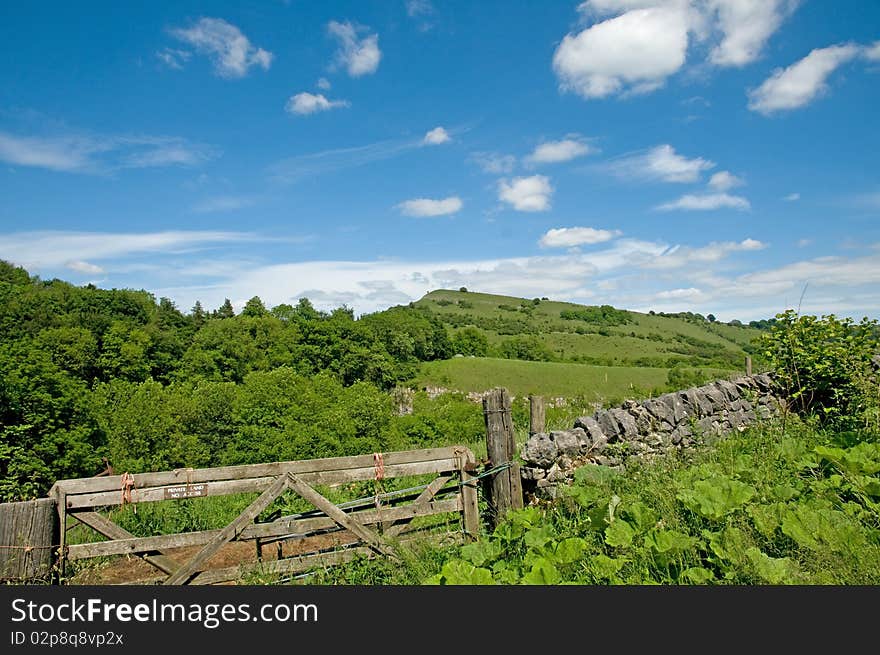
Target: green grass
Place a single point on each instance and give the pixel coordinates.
(644, 340)
(550, 379)
(773, 505)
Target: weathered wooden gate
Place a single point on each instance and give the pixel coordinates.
(453, 490)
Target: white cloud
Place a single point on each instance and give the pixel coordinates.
(526, 194)
(660, 163)
(633, 46)
(494, 162)
(429, 207)
(706, 202)
(803, 243)
(746, 26)
(323, 83)
(436, 136)
(309, 103)
(689, 293)
(222, 204)
(802, 82)
(97, 154)
(48, 249)
(872, 52)
(174, 58)
(80, 266)
(636, 51)
(551, 152)
(230, 51)
(359, 56)
(683, 256)
(724, 181)
(293, 169)
(570, 237)
(791, 197)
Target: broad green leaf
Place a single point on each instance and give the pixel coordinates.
(669, 541)
(771, 569)
(481, 552)
(642, 517)
(585, 496)
(784, 492)
(570, 550)
(619, 533)
(767, 518)
(459, 572)
(717, 497)
(606, 567)
(543, 573)
(540, 536)
(696, 575)
(819, 528)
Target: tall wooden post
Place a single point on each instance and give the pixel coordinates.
(536, 415)
(748, 365)
(506, 487)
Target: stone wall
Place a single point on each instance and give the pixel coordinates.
(646, 429)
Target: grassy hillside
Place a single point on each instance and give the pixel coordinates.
(551, 379)
(583, 350)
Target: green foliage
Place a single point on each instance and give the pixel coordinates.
(602, 315)
(716, 497)
(824, 365)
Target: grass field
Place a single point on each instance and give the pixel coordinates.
(629, 339)
(551, 379)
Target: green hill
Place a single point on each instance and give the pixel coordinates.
(621, 349)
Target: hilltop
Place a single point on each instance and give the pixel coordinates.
(592, 345)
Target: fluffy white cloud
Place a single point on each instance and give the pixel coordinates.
(872, 52)
(97, 154)
(429, 207)
(526, 194)
(684, 256)
(571, 237)
(633, 46)
(80, 266)
(552, 152)
(724, 181)
(415, 8)
(636, 51)
(230, 51)
(746, 26)
(802, 82)
(689, 293)
(309, 103)
(323, 83)
(359, 56)
(791, 197)
(660, 163)
(706, 202)
(494, 162)
(436, 136)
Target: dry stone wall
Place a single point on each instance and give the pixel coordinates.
(646, 429)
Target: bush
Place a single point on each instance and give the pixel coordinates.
(824, 366)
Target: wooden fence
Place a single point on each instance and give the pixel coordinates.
(34, 535)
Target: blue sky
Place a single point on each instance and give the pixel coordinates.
(706, 155)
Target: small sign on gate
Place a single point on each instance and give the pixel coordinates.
(186, 491)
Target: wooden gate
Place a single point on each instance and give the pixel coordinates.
(375, 529)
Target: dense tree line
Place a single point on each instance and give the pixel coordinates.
(88, 372)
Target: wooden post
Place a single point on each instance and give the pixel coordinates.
(536, 415)
(748, 365)
(470, 505)
(506, 487)
(28, 537)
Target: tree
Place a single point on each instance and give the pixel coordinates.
(711, 318)
(197, 313)
(254, 307)
(225, 310)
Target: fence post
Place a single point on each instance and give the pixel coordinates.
(28, 539)
(536, 415)
(748, 365)
(506, 487)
